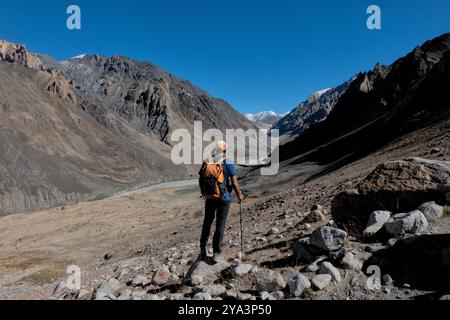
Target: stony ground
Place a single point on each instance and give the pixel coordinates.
(155, 253)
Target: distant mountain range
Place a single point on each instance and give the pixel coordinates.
(310, 112)
(264, 117)
(90, 126)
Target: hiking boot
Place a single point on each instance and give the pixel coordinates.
(203, 253)
(219, 258)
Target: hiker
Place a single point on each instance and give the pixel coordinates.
(218, 177)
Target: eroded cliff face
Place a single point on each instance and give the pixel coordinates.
(152, 100)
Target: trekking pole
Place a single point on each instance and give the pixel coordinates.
(242, 233)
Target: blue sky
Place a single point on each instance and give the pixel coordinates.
(255, 54)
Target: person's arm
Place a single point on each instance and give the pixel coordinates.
(235, 183)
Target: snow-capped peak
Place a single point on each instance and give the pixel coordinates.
(81, 56)
(264, 117)
(321, 92)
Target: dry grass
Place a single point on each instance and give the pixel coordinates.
(447, 211)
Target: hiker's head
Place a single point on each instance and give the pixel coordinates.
(221, 147)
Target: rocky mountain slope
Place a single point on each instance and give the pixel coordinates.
(151, 99)
(310, 112)
(104, 129)
(381, 105)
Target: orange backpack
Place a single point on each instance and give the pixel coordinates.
(212, 179)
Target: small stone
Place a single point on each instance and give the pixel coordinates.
(321, 281)
(266, 296)
(161, 276)
(269, 280)
(350, 262)
(316, 207)
(60, 288)
(231, 294)
(108, 287)
(153, 297)
(314, 267)
(242, 269)
(298, 284)
(314, 216)
(327, 268)
(177, 297)
(274, 231)
(202, 296)
(108, 256)
(215, 290)
(141, 281)
(244, 296)
(387, 280)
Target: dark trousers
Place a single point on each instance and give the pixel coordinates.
(214, 209)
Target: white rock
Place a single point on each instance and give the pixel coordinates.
(328, 238)
(412, 222)
(431, 210)
(244, 296)
(242, 269)
(376, 222)
(269, 280)
(266, 296)
(298, 284)
(274, 231)
(350, 262)
(327, 268)
(110, 286)
(202, 296)
(215, 290)
(321, 281)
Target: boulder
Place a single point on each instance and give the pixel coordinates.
(400, 224)
(305, 252)
(328, 238)
(431, 210)
(377, 219)
(298, 284)
(397, 186)
(269, 280)
(321, 281)
(327, 268)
